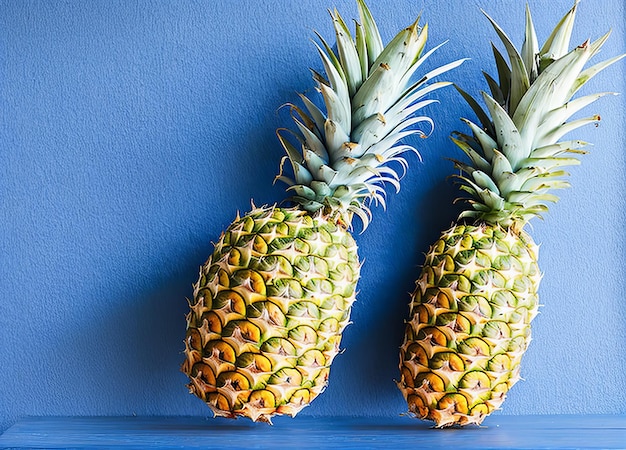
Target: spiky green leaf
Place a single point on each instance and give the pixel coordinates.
(519, 76)
(530, 48)
(372, 35)
(507, 134)
(557, 44)
(348, 54)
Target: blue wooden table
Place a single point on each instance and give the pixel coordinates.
(498, 432)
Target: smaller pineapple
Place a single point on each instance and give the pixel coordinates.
(273, 299)
(471, 310)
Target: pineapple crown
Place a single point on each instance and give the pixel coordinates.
(345, 149)
(516, 156)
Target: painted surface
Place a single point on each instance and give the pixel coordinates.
(132, 132)
(501, 432)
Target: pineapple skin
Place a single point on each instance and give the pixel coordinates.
(469, 323)
(268, 312)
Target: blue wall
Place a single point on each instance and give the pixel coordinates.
(132, 131)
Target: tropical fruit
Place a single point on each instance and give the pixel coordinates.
(273, 299)
(473, 303)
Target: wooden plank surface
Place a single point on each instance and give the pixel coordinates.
(498, 432)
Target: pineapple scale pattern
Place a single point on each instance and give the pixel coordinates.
(470, 324)
(268, 311)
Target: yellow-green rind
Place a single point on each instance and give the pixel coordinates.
(469, 324)
(268, 311)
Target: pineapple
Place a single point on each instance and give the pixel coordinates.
(471, 310)
(273, 299)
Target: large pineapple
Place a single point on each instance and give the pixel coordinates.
(272, 300)
(473, 303)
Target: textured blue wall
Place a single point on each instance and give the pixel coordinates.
(132, 131)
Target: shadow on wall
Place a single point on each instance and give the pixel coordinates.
(125, 357)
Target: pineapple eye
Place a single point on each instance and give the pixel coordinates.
(430, 382)
(262, 399)
(454, 401)
(236, 380)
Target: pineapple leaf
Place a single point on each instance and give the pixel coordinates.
(372, 36)
(469, 214)
(392, 153)
(390, 73)
(511, 182)
(295, 112)
(435, 72)
(302, 191)
(411, 96)
(396, 135)
(491, 200)
(335, 109)
(403, 50)
(468, 140)
(293, 154)
(328, 55)
(553, 135)
(519, 76)
(370, 97)
(547, 92)
(495, 90)
(336, 137)
(337, 80)
(327, 174)
(530, 48)
(501, 167)
(504, 72)
(526, 173)
(557, 44)
(550, 151)
(283, 178)
(403, 129)
(598, 43)
(313, 162)
(557, 118)
(535, 211)
(363, 213)
(348, 54)
(508, 137)
(312, 142)
(315, 113)
(484, 119)
(592, 71)
(486, 141)
(361, 48)
(542, 183)
(477, 160)
(551, 163)
(484, 181)
(393, 120)
(301, 173)
(307, 204)
(370, 130)
(377, 127)
(561, 114)
(321, 189)
(528, 199)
